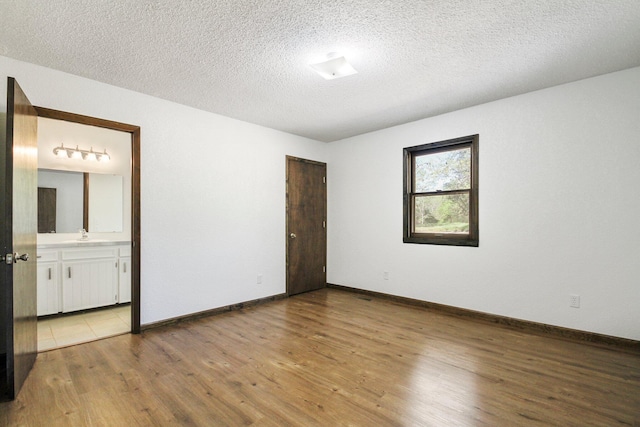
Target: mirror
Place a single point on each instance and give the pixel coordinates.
(70, 201)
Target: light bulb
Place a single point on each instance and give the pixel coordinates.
(91, 156)
(76, 154)
(61, 151)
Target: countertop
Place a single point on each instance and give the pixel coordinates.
(83, 243)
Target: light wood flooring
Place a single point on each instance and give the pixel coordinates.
(63, 331)
(331, 358)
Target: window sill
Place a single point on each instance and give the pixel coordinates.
(447, 241)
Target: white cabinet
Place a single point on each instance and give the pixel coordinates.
(88, 284)
(124, 275)
(78, 278)
(89, 277)
(48, 278)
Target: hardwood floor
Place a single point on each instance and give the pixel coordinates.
(329, 358)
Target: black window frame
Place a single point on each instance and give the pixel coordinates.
(452, 239)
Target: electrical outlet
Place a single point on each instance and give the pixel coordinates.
(385, 275)
(574, 301)
(259, 279)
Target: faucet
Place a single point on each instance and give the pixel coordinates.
(85, 236)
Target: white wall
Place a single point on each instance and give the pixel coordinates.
(559, 205)
(213, 192)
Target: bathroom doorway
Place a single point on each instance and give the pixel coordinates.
(123, 315)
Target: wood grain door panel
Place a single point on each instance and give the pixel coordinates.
(306, 225)
(18, 194)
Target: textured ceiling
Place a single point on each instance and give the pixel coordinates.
(248, 59)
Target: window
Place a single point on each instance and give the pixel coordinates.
(441, 192)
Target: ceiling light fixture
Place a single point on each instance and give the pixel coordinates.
(77, 153)
(333, 67)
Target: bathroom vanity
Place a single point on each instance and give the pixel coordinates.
(78, 275)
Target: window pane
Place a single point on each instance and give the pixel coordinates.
(448, 170)
(442, 213)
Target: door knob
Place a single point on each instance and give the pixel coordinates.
(292, 235)
(23, 257)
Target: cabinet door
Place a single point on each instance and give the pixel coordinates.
(48, 288)
(124, 282)
(88, 284)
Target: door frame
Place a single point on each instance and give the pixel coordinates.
(135, 194)
(287, 212)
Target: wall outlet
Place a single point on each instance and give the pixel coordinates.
(259, 279)
(574, 301)
(385, 275)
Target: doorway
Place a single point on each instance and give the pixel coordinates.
(134, 132)
(306, 199)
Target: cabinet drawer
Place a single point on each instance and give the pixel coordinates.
(70, 254)
(44, 256)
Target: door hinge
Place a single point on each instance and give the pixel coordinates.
(324, 179)
(324, 224)
(324, 268)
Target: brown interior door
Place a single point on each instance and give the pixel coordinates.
(18, 207)
(306, 225)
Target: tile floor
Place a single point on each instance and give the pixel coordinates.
(84, 327)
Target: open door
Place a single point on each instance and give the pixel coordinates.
(306, 225)
(18, 207)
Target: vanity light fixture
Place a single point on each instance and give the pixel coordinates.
(333, 67)
(77, 153)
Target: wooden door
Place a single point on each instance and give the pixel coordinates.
(306, 225)
(18, 207)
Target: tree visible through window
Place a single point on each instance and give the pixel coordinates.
(441, 189)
